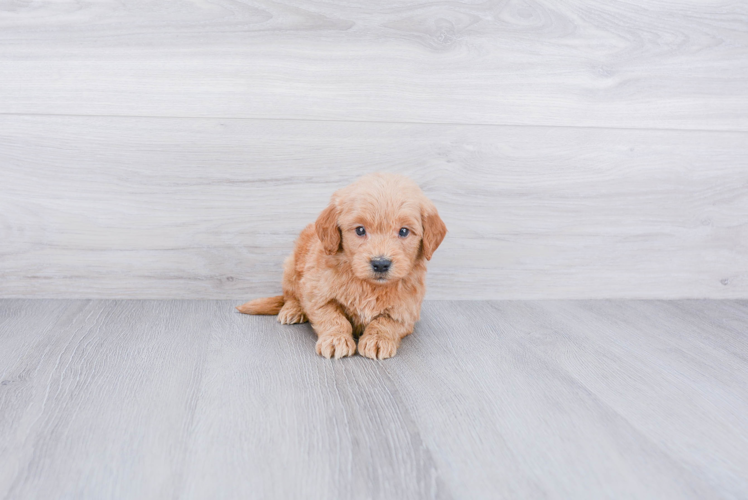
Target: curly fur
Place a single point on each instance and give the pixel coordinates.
(329, 279)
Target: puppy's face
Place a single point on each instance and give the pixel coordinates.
(381, 249)
(384, 224)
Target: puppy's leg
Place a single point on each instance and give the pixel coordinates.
(334, 332)
(291, 312)
(382, 337)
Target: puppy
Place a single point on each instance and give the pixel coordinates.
(360, 269)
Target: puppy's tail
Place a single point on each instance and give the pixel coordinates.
(269, 305)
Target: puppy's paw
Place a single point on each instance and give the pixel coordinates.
(291, 314)
(336, 345)
(376, 346)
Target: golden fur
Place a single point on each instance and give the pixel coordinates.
(329, 279)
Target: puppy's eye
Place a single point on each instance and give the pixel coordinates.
(404, 231)
(360, 230)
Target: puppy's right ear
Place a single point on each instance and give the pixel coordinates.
(327, 229)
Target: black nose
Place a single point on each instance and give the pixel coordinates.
(380, 264)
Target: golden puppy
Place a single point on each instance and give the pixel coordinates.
(361, 268)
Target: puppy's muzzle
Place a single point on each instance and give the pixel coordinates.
(380, 265)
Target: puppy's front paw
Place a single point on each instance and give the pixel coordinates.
(337, 345)
(376, 346)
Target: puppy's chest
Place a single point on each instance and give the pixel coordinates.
(362, 310)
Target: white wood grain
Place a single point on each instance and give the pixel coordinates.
(208, 208)
(628, 63)
(515, 399)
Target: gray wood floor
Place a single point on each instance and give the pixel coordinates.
(515, 399)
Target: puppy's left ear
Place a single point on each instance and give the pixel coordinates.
(327, 229)
(434, 230)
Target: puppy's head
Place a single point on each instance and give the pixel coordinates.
(384, 224)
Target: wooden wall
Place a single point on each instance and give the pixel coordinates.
(162, 149)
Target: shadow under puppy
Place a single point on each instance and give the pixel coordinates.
(360, 269)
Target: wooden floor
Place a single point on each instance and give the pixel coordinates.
(516, 399)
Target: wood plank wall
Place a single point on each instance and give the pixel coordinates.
(160, 149)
